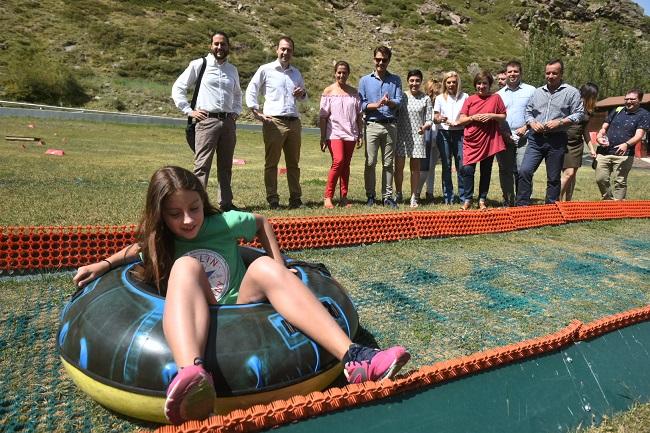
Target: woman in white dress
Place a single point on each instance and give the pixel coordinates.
(415, 117)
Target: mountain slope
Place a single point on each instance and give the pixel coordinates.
(126, 55)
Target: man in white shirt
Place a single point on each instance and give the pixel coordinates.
(217, 107)
(515, 96)
(282, 86)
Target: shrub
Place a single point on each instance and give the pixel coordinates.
(39, 78)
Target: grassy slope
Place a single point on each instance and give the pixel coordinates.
(103, 176)
(501, 289)
(127, 54)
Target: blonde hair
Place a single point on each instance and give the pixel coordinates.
(433, 88)
(447, 75)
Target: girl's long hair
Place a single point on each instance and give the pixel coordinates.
(589, 93)
(155, 239)
(433, 88)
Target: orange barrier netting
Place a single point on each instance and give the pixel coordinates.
(31, 248)
(260, 417)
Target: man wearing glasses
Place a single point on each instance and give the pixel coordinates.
(623, 129)
(381, 95)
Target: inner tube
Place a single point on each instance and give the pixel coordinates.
(111, 344)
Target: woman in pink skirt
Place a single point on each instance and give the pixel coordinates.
(340, 130)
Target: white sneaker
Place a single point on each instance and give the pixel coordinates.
(414, 201)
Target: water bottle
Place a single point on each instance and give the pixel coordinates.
(604, 141)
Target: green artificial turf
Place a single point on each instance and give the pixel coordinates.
(442, 298)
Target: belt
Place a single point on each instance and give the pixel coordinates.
(285, 118)
(381, 121)
(220, 115)
(550, 134)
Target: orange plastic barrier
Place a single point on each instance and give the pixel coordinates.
(636, 208)
(584, 211)
(536, 216)
(261, 417)
(31, 248)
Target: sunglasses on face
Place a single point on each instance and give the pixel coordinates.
(377, 60)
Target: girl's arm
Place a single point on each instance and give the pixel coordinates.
(267, 238)
(360, 125)
(86, 274)
(587, 139)
(481, 117)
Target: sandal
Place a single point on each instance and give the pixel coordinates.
(344, 202)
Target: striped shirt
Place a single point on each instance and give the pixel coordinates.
(564, 102)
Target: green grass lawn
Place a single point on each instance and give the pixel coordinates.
(103, 176)
(442, 298)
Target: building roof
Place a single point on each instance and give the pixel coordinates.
(615, 101)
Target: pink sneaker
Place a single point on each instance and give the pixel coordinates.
(190, 395)
(365, 363)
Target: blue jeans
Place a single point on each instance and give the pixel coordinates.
(450, 145)
(484, 180)
(550, 148)
(507, 160)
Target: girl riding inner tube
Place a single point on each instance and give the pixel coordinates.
(112, 345)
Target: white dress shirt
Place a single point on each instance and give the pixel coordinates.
(219, 91)
(276, 84)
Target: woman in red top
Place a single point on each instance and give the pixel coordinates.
(482, 113)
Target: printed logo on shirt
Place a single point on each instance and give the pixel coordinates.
(216, 269)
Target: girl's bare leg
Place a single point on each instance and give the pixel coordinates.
(186, 318)
(266, 279)
(568, 176)
(414, 165)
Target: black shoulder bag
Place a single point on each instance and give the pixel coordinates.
(190, 129)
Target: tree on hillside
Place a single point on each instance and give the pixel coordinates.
(545, 42)
(613, 60)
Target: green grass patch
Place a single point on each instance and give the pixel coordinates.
(103, 176)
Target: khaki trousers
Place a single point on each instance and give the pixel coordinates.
(380, 137)
(216, 136)
(282, 135)
(620, 167)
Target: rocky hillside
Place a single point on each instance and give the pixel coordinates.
(121, 55)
